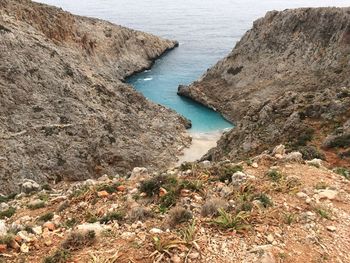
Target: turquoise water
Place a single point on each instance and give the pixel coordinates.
(206, 29)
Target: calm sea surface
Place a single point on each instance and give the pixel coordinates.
(206, 29)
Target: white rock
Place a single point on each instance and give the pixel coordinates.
(4, 206)
(103, 178)
(24, 235)
(25, 219)
(89, 182)
(279, 149)
(327, 194)
(29, 186)
(24, 248)
(97, 227)
(138, 173)
(3, 228)
(270, 238)
(205, 164)
(255, 165)
(302, 195)
(294, 157)
(238, 178)
(38, 230)
(156, 231)
(194, 255)
(315, 162)
(176, 259)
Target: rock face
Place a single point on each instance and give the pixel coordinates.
(286, 81)
(64, 111)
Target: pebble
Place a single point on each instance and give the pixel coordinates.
(302, 195)
(176, 259)
(270, 238)
(24, 248)
(156, 231)
(331, 228)
(3, 248)
(103, 194)
(38, 230)
(255, 165)
(194, 255)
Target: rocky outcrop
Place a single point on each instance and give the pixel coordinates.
(286, 81)
(64, 111)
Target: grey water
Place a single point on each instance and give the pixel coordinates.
(207, 31)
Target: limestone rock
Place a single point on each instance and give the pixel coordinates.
(272, 107)
(3, 228)
(64, 94)
(29, 186)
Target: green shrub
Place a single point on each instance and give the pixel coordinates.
(37, 205)
(169, 199)
(229, 221)
(264, 199)
(342, 141)
(343, 172)
(7, 213)
(7, 239)
(226, 172)
(78, 240)
(60, 256)
(178, 215)
(310, 153)
(151, 187)
(46, 217)
(274, 175)
(305, 137)
(109, 188)
(7, 198)
(111, 217)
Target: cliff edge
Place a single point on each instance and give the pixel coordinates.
(65, 112)
(286, 81)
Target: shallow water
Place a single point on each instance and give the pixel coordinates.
(206, 29)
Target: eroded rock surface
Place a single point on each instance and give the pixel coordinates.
(286, 81)
(64, 111)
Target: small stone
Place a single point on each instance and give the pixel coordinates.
(270, 238)
(24, 248)
(48, 243)
(97, 227)
(50, 226)
(302, 195)
(296, 157)
(3, 248)
(139, 173)
(176, 259)
(194, 255)
(4, 207)
(162, 192)
(327, 194)
(121, 188)
(29, 186)
(331, 228)
(103, 178)
(156, 231)
(205, 164)
(3, 228)
(103, 194)
(255, 165)
(185, 192)
(238, 178)
(315, 162)
(279, 149)
(23, 235)
(14, 245)
(38, 230)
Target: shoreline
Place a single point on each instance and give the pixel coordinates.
(201, 143)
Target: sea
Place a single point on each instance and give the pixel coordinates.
(207, 31)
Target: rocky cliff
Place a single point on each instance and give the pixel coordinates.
(287, 80)
(64, 111)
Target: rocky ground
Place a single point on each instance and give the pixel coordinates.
(65, 113)
(275, 207)
(286, 81)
